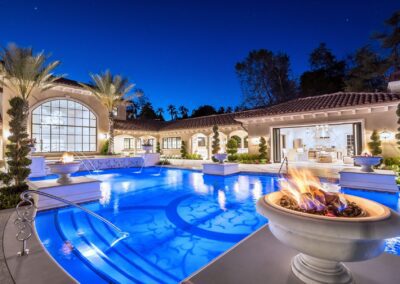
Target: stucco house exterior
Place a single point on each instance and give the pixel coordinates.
(328, 128)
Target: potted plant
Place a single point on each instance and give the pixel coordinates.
(31, 145)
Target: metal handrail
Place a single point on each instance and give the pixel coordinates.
(27, 216)
(285, 160)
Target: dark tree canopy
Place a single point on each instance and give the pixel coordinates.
(172, 112)
(183, 112)
(265, 78)
(140, 107)
(321, 58)
(327, 74)
(147, 112)
(203, 111)
(391, 40)
(367, 71)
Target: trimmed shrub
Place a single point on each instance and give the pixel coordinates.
(9, 195)
(193, 157)
(263, 149)
(184, 152)
(104, 148)
(158, 148)
(17, 149)
(232, 148)
(215, 143)
(375, 144)
(233, 158)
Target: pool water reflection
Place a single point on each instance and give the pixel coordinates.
(177, 222)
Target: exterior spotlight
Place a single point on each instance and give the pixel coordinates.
(255, 140)
(386, 135)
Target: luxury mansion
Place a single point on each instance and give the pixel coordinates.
(328, 128)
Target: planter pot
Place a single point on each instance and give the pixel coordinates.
(64, 170)
(221, 157)
(32, 150)
(367, 162)
(325, 242)
(147, 148)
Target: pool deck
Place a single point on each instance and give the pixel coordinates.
(36, 268)
(323, 170)
(261, 258)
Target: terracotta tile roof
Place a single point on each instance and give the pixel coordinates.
(323, 102)
(68, 82)
(204, 121)
(198, 122)
(139, 124)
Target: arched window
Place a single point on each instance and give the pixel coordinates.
(64, 125)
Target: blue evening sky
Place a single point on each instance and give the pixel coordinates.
(184, 52)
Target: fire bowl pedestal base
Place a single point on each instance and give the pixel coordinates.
(64, 179)
(319, 271)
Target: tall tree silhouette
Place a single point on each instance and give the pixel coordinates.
(172, 111)
(391, 40)
(183, 111)
(265, 78)
(327, 74)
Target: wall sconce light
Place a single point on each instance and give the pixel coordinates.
(105, 136)
(386, 135)
(255, 140)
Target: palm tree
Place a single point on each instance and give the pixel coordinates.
(111, 90)
(183, 111)
(25, 73)
(134, 106)
(172, 111)
(160, 112)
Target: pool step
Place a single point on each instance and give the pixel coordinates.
(116, 252)
(96, 259)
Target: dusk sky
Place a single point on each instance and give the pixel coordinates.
(184, 52)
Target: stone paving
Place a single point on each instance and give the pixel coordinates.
(5, 276)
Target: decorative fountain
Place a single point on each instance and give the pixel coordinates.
(327, 228)
(367, 161)
(65, 167)
(221, 168)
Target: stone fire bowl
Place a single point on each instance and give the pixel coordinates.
(221, 157)
(367, 162)
(64, 170)
(325, 242)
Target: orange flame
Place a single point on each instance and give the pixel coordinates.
(67, 158)
(307, 190)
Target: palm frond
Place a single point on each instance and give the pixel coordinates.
(25, 72)
(110, 89)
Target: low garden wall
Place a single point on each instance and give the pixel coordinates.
(187, 162)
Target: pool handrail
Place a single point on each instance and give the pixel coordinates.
(24, 219)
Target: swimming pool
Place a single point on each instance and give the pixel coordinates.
(178, 221)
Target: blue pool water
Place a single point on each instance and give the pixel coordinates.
(177, 220)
